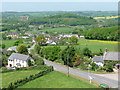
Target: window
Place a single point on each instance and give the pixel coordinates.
(22, 61)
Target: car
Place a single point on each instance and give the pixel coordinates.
(13, 68)
(105, 86)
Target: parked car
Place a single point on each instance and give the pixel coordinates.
(105, 86)
(13, 68)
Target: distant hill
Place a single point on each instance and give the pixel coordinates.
(64, 19)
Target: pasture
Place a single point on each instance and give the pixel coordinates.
(56, 80)
(95, 45)
(52, 30)
(9, 77)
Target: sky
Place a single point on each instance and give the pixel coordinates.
(59, 0)
(59, 5)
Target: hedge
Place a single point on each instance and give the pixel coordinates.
(17, 83)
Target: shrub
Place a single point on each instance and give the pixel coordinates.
(4, 69)
(38, 60)
(94, 67)
(108, 68)
(20, 82)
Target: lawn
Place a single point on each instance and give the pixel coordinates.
(9, 77)
(56, 79)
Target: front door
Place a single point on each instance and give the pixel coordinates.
(10, 65)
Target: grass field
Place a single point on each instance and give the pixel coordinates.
(95, 45)
(57, 80)
(8, 43)
(9, 77)
(59, 30)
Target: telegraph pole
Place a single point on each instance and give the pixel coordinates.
(67, 64)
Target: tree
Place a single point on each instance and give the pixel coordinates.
(3, 46)
(94, 66)
(63, 41)
(37, 48)
(108, 68)
(68, 55)
(29, 63)
(87, 52)
(16, 43)
(22, 49)
(73, 40)
(55, 53)
(40, 39)
(78, 60)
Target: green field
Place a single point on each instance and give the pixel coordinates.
(59, 30)
(9, 77)
(94, 45)
(56, 80)
(8, 43)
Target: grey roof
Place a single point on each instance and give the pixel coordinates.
(98, 59)
(113, 56)
(18, 56)
(13, 48)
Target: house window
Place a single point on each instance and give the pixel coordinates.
(22, 61)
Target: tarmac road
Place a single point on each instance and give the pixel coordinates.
(99, 79)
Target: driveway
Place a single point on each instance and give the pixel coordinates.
(95, 77)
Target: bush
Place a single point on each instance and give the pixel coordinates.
(38, 60)
(20, 82)
(4, 69)
(83, 66)
(108, 68)
(59, 61)
(94, 67)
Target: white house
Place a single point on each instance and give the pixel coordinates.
(98, 60)
(12, 35)
(18, 60)
(68, 35)
(107, 56)
(81, 36)
(14, 48)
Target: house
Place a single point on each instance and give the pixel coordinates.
(14, 48)
(12, 35)
(24, 37)
(50, 42)
(29, 34)
(98, 60)
(81, 36)
(107, 56)
(67, 35)
(18, 60)
(111, 56)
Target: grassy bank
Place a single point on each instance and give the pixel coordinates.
(57, 80)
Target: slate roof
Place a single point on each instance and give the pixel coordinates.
(18, 56)
(13, 48)
(98, 59)
(113, 56)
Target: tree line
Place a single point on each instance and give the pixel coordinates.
(110, 33)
